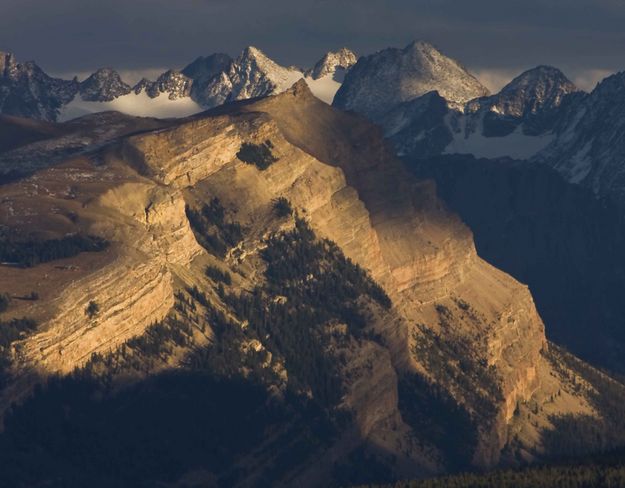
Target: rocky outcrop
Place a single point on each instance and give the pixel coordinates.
(173, 83)
(104, 85)
(589, 146)
(26, 91)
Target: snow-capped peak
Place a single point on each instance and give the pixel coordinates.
(254, 74)
(342, 59)
(381, 81)
(252, 56)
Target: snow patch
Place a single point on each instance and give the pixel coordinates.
(324, 88)
(140, 105)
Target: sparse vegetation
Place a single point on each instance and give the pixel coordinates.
(30, 252)
(577, 435)
(282, 207)
(11, 331)
(92, 309)
(260, 155)
(216, 274)
(209, 413)
(439, 419)
(216, 408)
(214, 231)
(459, 368)
(5, 300)
(32, 296)
(310, 283)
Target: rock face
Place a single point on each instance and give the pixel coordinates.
(558, 238)
(457, 332)
(516, 122)
(589, 145)
(173, 83)
(103, 86)
(26, 91)
(534, 93)
(381, 81)
(253, 74)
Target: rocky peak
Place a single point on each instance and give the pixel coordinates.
(589, 148)
(342, 59)
(27, 91)
(612, 85)
(253, 74)
(104, 85)
(172, 82)
(252, 57)
(540, 88)
(379, 82)
(141, 85)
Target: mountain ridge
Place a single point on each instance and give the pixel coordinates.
(206, 82)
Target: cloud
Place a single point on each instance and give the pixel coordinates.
(588, 79)
(493, 78)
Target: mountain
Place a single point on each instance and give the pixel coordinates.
(258, 295)
(253, 74)
(26, 91)
(333, 63)
(529, 99)
(104, 85)
(517, 122)
(173, 83)
(589, 145)
(381, 81)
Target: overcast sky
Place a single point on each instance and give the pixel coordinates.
(495, 39)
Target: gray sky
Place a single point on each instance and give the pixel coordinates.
(496, 39)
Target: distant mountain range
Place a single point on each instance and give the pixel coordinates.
(427, 103)
(27, 91)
